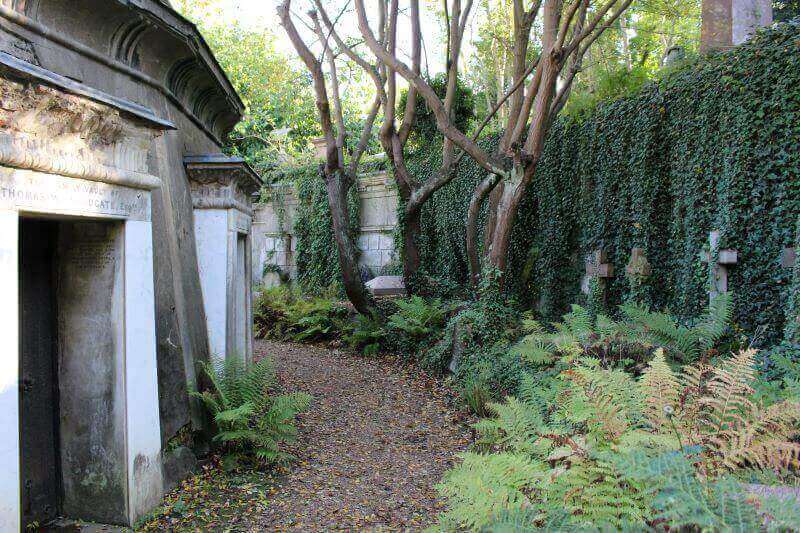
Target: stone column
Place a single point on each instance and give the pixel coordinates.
(727, 23)
(9, 373)
(145, 478)
(222, 189)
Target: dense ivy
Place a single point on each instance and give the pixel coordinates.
(316, 255)
(712, 145)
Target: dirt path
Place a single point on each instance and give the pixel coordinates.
(373, 446)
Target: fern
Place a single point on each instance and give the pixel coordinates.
(251, 422)
(661, 390)
(483, 486)
(367, 335)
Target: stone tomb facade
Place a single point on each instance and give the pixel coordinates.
(222, 190)
(79, 401)
(102, 308)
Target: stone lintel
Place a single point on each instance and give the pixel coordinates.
(44, 129)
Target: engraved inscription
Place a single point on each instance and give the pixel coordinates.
(23, 189)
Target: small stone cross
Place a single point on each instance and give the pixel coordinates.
(597, 267)
(719, 270)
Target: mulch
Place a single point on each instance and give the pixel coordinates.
(376, 441)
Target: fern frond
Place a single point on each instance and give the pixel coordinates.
(660, 389)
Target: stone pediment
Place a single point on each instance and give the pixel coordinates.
(221, 182)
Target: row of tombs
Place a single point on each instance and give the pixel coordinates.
(125, 240)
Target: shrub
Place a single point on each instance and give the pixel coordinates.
(252, 423)
(367, 335)
(282, 313)
(417, 321)
(629, 341)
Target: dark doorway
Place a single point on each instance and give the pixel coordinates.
(38, 400)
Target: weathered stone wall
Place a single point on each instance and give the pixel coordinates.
(275, 245)
(727, 23)
(139, 62)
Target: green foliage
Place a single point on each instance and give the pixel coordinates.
(409, 324)
(616, 453)
(252, 423)
(629, 341)
(685, 500)
(418, 320)
(283, 313)
(425, 126)
(368, 335)
(708, 147)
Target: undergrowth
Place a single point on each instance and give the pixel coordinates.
(252, 422)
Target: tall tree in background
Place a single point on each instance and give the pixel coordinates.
(338, 173)
(540, 89)
(394, 131)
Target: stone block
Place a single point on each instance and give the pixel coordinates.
(789, 257)
(387, 242)
(371, 258)
(374, 242)
(728, 257)
(179, 464)
(387, 286)
(605, 270)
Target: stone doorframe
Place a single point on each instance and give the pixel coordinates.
(70, 153)
(222, 191)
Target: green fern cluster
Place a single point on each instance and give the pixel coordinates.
(411, 322)
(561, 452)
(283, 313)
(252, 424)
(629, 340)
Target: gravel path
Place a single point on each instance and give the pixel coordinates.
(375, 442)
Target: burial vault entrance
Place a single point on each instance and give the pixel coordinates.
(71, 361)
(78, 381)
(222, 190)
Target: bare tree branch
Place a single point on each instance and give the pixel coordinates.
(443, 120)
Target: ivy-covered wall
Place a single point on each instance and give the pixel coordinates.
(714, 145)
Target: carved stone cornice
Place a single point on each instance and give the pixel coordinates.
(48, 131)
(221, 182)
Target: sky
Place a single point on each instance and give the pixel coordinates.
(258, 14)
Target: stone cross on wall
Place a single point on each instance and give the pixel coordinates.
(597, 269)
(727, 23)
(638, 267)
(718, 271)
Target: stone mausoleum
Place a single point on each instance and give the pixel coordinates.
(124, 253)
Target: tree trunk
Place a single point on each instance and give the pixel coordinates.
(412, 226)
(478, 197)
(338, 185)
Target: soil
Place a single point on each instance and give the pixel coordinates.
(378, 438)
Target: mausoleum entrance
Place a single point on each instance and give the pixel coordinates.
(78, 381)
(71, 361)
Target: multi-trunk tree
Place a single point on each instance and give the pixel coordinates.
(566, 30)
(394, 132)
